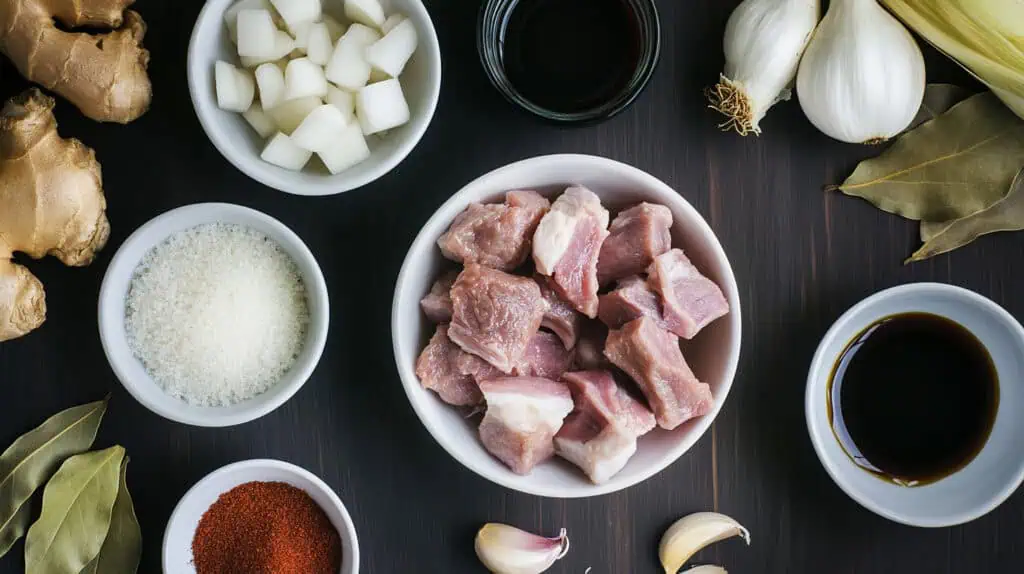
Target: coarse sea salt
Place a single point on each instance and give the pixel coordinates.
(217, 314)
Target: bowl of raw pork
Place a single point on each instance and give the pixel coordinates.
(314, 97)
(566, 326)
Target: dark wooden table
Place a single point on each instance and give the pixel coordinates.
(801, 257)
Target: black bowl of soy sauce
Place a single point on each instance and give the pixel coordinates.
(569, 61)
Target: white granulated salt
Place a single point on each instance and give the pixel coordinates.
(217, 314)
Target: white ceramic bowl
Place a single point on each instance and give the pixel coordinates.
(713, 354)
(130, 370)
(181, 528)
(994, 473)
(240, 145)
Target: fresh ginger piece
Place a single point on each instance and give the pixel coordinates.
(103, 75)
(51, 203)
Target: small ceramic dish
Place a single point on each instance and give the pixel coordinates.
(132, 373)
(181, 528)
(240, 145)
(985, 482)
(713, 354)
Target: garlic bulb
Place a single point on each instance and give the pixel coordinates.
(763, 43)
(861, 79)
(507, 550)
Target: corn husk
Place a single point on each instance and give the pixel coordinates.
(984, 36)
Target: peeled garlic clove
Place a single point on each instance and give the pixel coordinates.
(862, 77)
(706, 569)
(508, 550)
(691, 533)
(764, 40)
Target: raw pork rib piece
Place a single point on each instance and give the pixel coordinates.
(637, 236)
(448, 370)
(631, 299)
(495, 235)
(590, 348)
(561, 318)
(495, 314)
(600, 434)
(437, 305)
(523, 415)
(651, 356)
(567, 244)
(689, 300)
(545, 357)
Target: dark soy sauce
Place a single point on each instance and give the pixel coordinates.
(570, 56)
(913, 398)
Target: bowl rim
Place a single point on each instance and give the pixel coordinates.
(645, 181)
(812, 408)
(327, 184)
(349, 529)
(281, 391)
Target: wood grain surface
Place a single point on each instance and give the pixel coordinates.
(801, 257)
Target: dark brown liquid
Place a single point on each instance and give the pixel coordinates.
(570, 56)
(913, 398)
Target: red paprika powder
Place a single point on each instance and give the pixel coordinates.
(266, 528)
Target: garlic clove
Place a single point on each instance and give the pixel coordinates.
(505, 549)
(691, 533)
(862, 76)
(706, 569)
(763, 42)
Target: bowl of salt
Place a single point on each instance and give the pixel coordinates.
(213, 314)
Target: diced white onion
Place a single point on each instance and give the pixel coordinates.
(390, 53)
(320, 128)
(259, 120)
(303, 78)
(348, 149)
(381, 106)
(282, 152)
(368, 12)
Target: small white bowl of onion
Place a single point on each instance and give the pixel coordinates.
(351, 85)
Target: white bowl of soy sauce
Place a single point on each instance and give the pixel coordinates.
(915, 404)
(569, 61)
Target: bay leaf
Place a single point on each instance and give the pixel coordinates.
(957, 164)
(930, 228)
(1007, 214)
(122, 547)
(32, 459)
(78, 503)
(938, 98)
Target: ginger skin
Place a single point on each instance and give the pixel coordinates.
(51, 203)
(104, 75)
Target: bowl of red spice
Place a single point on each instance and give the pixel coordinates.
(260, 516)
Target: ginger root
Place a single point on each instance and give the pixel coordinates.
(104, 75)
(51, 203)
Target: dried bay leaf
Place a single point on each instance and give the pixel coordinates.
(930, 228)
(938, 98)
(33, 458)
(78, 503)
(122, 549)
(1007, 214)
(950, 167)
